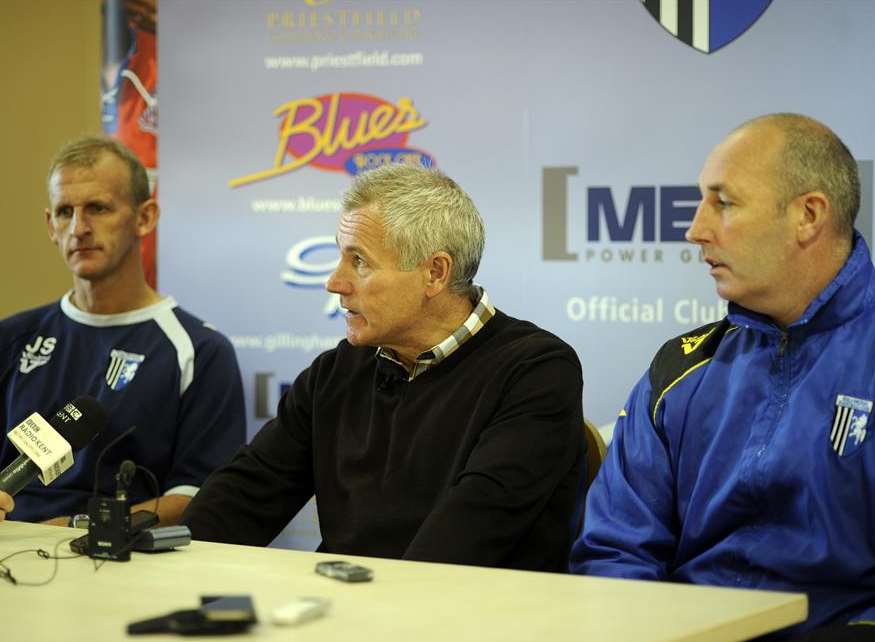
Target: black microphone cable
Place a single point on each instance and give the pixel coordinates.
(103, 452)
(155, 485)
(6, 572)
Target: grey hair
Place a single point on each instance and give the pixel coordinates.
(813, 158)
(86, 152)
(423, 211)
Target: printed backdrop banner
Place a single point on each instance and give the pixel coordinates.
(579, 129)
(129, 92)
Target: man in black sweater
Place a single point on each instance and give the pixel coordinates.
(459, 439)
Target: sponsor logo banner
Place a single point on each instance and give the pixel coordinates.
(303, 273)
(342, 132)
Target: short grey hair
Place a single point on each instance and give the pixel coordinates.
(423, 211)
(86, 152)
(814, 158)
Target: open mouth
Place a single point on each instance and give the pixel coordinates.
(346, 310)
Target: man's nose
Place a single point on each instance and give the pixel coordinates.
(698, 231)
(80, 225)
(336, 284)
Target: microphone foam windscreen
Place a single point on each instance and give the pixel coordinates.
(80, 420)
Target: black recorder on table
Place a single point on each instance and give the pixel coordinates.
(113, 532)
(144, 538)
(109, 519)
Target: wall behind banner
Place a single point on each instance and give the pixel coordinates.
(49, 62)
(579, 129)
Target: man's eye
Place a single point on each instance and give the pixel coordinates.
(64, 212)
(723, 204)
(358, 261)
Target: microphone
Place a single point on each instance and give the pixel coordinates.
(386, 382)
(124, 477)
(388, 376)
(46, 447)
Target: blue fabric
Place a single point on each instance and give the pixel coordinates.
(736, 483)
(181, 436)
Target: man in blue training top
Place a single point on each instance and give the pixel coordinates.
(151, 364)
(741, 458)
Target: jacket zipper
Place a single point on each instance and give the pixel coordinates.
(783, 343)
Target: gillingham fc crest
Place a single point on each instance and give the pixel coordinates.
(850, 424)
(122, 368)
(706, 25)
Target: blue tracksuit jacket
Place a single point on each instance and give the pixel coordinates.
(745, 457)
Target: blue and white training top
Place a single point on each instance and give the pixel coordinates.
(158, 368)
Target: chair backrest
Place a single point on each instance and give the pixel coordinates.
(595, 451)
(595, 455)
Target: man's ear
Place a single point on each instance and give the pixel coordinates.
(814, 215)
(50, 227)
(148, 214)
(439, 268)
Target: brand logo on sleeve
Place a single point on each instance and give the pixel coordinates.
(36, 354)
(690, 344)
(849, 424)
(122, 368)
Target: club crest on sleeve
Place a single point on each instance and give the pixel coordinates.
(849, 424)
(122, 368)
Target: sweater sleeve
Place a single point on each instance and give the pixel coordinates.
(630, 523)
(532, 442)
(250, 500)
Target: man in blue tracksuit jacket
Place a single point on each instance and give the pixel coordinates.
(744, 456)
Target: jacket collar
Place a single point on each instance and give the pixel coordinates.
(840, 301)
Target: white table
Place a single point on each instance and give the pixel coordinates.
(406, 601)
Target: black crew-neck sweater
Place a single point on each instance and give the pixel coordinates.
(476, 461)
